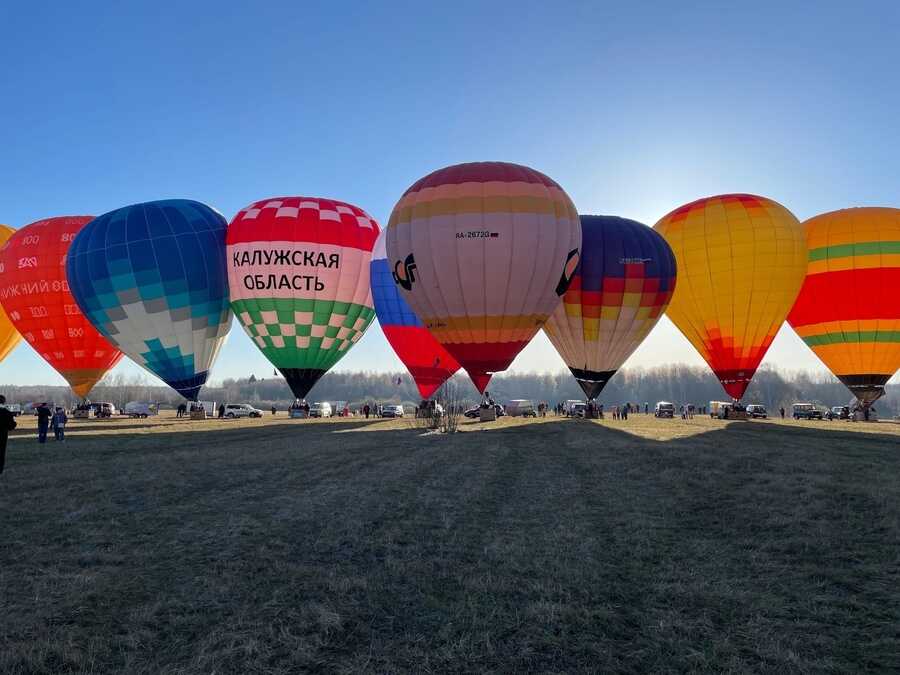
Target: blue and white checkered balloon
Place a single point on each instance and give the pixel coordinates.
(152, 279)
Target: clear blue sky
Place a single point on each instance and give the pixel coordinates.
(633, 109)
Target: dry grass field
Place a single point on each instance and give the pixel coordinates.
(276, 546)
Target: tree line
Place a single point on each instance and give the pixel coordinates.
(679, 384)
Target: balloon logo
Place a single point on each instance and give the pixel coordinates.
(741, 261)
(9, 336)
(843, 311)
(482, 253)
(427, 361)
(37, 299)
(621, 288)
(151, 278)
(299, 273)
(404, 272)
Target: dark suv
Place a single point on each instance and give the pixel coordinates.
(806, 411)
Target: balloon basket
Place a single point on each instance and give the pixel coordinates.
(295, 414)
(198, 414)
(488, 414)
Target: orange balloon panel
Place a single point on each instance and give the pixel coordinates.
(844, 311)
(35, 294)
(9, 336)
(741, 261)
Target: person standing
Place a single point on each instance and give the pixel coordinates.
(273, 409)
(781, 410)
(59, 424)
(43, 414)
(221, 410)
(7, 424)
(366, 410)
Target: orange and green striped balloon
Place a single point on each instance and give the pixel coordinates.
(848, 310)
(741, 261)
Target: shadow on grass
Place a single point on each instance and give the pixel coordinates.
(563, 546)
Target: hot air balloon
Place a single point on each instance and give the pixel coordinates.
(36, 297)
(427, 361)
(482, 252)
(844, 311)
(299, 273)
(621, 287)
(9, 336)
(151, 278)
(741, 261)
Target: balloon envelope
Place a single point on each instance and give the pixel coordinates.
(36, 297)
(848, 310)
(621, 287)
(741, 260)
(9, 336)
(427, 361)
(299, 272)
(482, 253)
(151, 278)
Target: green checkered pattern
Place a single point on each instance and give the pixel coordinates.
(303, 333)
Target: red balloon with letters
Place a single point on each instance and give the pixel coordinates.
(35, 294)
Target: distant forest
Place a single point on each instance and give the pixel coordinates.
(677, 383)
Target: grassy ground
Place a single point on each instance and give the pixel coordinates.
(560, 546)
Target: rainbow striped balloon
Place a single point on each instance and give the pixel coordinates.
(482, 253)
(848, 310)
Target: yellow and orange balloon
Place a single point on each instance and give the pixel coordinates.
(741, 261)
(848, 310)
(9, 336)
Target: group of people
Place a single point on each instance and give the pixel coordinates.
(51, 418)
(302, 406)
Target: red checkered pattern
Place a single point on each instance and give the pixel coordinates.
(302, 218)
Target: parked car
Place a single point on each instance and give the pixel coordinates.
(14, 408)
(754, 410)
(391, 411)
(241, 410)
(320, 409)
(806, 411)
(140, 409)
(521, 407)
(664, 409)
(839, 412)
(571, 403)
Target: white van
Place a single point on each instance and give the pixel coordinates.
(570, 406)
(320, 409)
(520, 407)
(141, 409)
